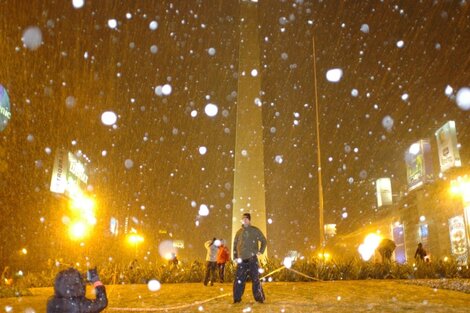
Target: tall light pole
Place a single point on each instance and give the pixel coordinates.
(317, 122)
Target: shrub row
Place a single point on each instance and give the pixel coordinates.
(315, 269)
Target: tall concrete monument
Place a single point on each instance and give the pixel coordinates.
(249, 191)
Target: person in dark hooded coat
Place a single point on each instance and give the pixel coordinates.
(386, 248)
(70, 290)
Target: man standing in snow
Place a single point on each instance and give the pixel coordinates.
(249, 243)
(211, 260)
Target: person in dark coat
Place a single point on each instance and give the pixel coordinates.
(420, 253)
(248, 244)
(386, 248)
(69, 293)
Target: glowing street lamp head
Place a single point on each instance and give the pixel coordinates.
(78, 230)
(135, 239)
(461, 187)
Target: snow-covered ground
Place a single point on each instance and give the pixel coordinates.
(333, 296)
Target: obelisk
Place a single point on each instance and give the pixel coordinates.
(248, 187)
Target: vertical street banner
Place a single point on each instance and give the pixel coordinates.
(398, 232)
(5, 113)
(446, 138)
(59, 175)
(458, 239)
(419, 169)
(384, 191)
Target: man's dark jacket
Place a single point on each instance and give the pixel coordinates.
(69, 295)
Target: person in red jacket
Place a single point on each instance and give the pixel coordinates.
(223, 256)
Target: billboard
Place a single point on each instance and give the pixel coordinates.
(5, 113)
(446, 138)
(114, 226)
(68, 174)
(458, 240)
(418, 160)
(384, 191)
(398, 232)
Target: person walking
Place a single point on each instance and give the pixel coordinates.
(70, 290)
(386, 248)
(223, 256)
(420, 253)
(211, 261)
(248, 244)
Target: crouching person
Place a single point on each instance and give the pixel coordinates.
(70, 290)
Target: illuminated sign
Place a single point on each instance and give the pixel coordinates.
(68, 175)
(384, 191)
(330, 230)
(458, 239)
(446, 138)
(113, 226)
(5, 114)
(178, 244)
(418, 160)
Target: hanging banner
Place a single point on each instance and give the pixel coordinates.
(5, 113)
(446, 138)
(418, 160)
(384, 191)
(59, 179)
(458, 239)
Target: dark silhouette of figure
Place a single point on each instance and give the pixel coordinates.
(173, 261)
(420, 253)
(211, 262)
(69, 293)
(386, 248)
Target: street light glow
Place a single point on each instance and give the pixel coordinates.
(367, 249)
(78, 230)
(461, 187)
(135, 239)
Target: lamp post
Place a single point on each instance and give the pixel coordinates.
(319, 175)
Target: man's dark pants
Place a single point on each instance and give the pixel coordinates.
(221, 267)
(249, 266)
(210, 273)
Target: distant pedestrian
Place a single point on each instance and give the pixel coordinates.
(173, 262)
(211, 261)
(69, 293)
(223, 256)
(420, 253)
(249, 243)
(386, 248)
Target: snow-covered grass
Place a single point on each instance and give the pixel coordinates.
(332, 296)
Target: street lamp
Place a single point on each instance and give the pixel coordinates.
(78, 230)
(319, 175)
(135, 239)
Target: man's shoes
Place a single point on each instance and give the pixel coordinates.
(236, 301)
(260, 301)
